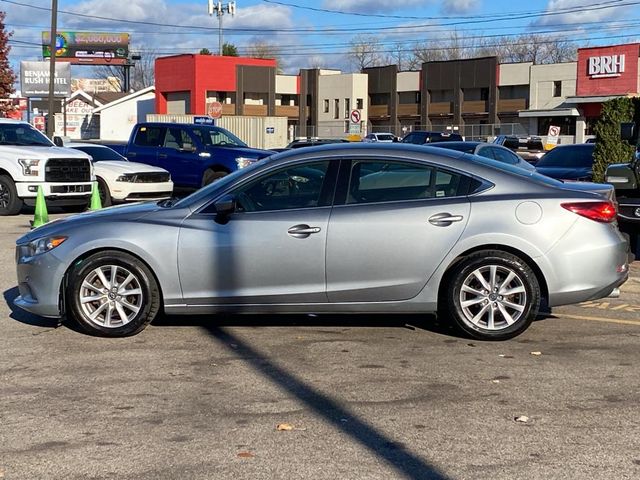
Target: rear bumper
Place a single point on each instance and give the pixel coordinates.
(588, 263)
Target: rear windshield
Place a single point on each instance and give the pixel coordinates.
(568, 157)
(521, 172)
(385, 137)
(460, 147)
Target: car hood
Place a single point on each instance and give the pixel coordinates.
(247, 151)
(120, 167)
(60, 226)
(42, 152)
(565, 173)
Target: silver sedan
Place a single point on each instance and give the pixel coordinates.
(339, 228)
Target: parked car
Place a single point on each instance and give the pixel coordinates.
(380, 137)
(529, 148)
(338, 228)
(488, 150)
(120, 180)
(568, 162)
(194, 155)
(422, 137)
(29, 161)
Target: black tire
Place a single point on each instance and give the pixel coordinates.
(483, 304)
(147, 301)
(10, 203)
(211, 176)
(105, 194)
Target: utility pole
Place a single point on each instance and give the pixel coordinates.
(51, 124)
(220, 9)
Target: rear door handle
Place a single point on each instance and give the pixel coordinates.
(131, 154)
(444, 219)
(163, 155)
(302, 231)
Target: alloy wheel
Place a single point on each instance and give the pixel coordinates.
(493, 297)
(111, 296)
(4, 196)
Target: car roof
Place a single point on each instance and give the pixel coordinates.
(459, 143)
(13, 121)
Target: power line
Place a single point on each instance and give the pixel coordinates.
(582, 9)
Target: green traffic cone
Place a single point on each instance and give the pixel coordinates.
(96, 204)
(41, 216)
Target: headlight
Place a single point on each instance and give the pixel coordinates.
(245, 162)
(128, 177)
(42, 245)
(29, 166)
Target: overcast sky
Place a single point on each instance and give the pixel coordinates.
(318, 32)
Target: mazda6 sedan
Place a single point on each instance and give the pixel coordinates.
(350, 228)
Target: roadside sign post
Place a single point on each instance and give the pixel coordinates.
(354, 122)
(214, 109)
(552, 137)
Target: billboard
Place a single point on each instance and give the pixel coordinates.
(34, 79)
(88, 48)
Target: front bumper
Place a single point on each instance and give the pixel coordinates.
(61, 193)
(629, 210)
(39, 281)
(135, 192)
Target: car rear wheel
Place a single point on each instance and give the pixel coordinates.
(10, 203)
(113, 294)
(492, 295)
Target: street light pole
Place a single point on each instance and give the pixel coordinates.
(220, 9)
(52, 69)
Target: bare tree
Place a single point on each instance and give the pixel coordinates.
(262, 49)
(142, 72)
(365, 51)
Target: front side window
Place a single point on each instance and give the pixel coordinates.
(389, 181)
(149, 136)
(214, 136)
(415, 138)
(298, 186)
(177, 138)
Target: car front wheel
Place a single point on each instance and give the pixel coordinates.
(113, 294)
(492, 295)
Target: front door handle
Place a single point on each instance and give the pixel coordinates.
(131, 154)
(444, 219)
(163, 155)
(302, 231)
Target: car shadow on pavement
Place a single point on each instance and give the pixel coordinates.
(428, 323)
(25, 317)
(332, 410)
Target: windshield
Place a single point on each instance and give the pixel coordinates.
(385, 137)
(218, 137)
(101, 153)
(22, 134)
(521, 172)
(568, 157)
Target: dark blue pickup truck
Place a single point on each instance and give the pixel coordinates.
(195, 155)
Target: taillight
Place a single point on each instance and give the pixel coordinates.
(598, 211)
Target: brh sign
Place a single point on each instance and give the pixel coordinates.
(606, 66)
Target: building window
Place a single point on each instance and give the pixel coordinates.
(557, 88)
(346, 126)
(326, 105)
(359, 104)
(484, 94)
(336, 108)
(347, 107)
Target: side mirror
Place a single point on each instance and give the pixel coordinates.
(57, 141)
(188, 148)
(626, 131)
(225, 206)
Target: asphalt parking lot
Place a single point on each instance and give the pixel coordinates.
(356, 397)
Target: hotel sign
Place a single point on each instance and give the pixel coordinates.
(606, 66)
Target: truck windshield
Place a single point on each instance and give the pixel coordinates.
(217, 137)
(22, 134)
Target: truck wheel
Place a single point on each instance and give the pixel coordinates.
(211, 176)
(105, 194)
(10, 204)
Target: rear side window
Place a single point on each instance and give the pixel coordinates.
(382, 181)
(149, 136)
(505, 156)
(415, 138)
(568, 157)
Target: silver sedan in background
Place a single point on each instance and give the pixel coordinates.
(351, 228)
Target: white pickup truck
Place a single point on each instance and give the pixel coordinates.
(28, 160)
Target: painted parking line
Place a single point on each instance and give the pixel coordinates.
(597, 319)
